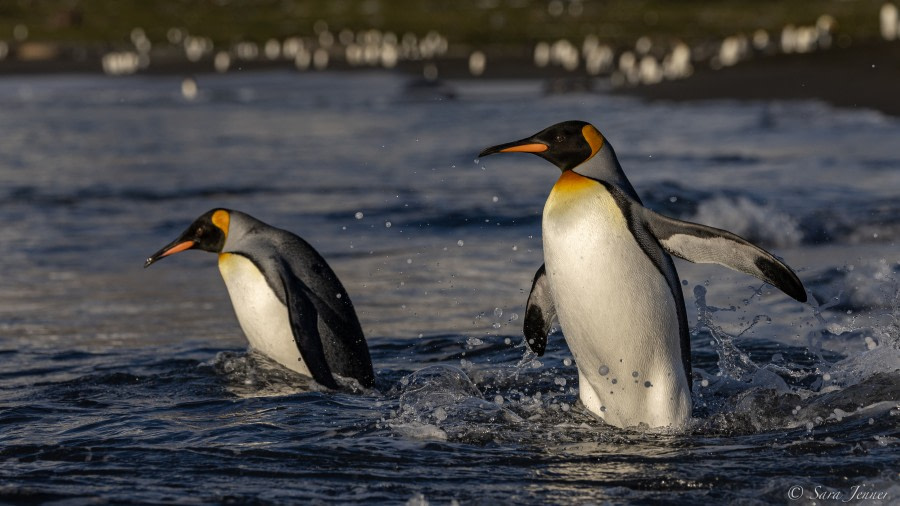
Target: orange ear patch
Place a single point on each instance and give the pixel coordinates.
(593, 137)
(221, 219)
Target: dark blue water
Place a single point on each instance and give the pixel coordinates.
(124, 385)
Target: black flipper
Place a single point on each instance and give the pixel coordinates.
(304, 325)
(539, 313)
(701, 244)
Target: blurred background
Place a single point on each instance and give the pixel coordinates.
(626, 45)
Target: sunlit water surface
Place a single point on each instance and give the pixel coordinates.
(125, 385)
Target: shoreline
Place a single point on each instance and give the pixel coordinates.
(865, 75)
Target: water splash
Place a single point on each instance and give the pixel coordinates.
(815, 338)
(733, 363)
(441, 402)
(808, 388)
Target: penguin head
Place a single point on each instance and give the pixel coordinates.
(566, 145)
(207, 233)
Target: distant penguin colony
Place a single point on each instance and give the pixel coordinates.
(609, 279)
(290, 304)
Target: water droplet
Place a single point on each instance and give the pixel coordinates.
(495, 198)
(567, 362)
(704, 383)
(339, 296)
(409, 260)
(498, 312)
(387, 224)
(634, 374)
(603, 370)
(460, 242)
(507, 341)
(614, 381)
(560, 381)
(498, 399)
(647, 384)
(359, 215)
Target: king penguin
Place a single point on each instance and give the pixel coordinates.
(288, 301)
(609, 279)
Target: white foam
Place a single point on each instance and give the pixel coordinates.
(762, 223)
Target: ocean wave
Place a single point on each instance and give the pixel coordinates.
(860, 286)
(760, 223)
(764, 222)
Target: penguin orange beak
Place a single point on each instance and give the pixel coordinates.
(523, 146)
(177, 246)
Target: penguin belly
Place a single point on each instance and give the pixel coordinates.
(263, 318)
(615, 308)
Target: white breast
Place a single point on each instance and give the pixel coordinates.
(616, 311)
(263, 318)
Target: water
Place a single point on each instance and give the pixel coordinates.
(126, 385)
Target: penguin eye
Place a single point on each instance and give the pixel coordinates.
(559, 139)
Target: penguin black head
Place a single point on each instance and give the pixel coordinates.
(207, 233)
(566, 145)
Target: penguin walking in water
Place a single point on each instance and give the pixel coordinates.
(290, 304)
(609, 279)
